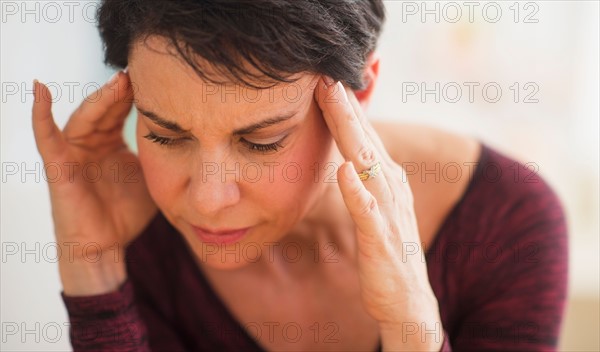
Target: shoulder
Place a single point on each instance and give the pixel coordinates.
(438, 164)
(512, 236)
(443, 165)
(519, 206)
(446, 169)
(513, 191)
(424, 143)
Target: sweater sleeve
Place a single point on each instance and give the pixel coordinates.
(516, 294)
(113, 322)
(106, 322)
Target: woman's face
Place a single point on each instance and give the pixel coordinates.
(227, 157)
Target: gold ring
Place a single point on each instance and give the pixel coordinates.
(371, 172)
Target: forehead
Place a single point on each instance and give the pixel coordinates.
(165, 84)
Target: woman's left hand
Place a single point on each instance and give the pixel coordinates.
(395, 287)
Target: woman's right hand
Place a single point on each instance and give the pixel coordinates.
(97, 190)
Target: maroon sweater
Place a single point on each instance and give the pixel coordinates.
(498, 267)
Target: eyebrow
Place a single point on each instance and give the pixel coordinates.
(173, 126)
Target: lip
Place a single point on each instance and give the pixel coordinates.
(226, 236)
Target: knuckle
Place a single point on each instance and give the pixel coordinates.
(366, 155)
(391, 231)
(350, 117)
(368, 207)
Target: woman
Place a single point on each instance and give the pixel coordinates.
(264, 211)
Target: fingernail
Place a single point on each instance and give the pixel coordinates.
(126, 69)
(328, 81)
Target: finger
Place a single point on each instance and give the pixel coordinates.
(361, 204)
(396, 177)
(118, 112)
(101, 104)
(373, 136)
(351, 138)
(48, 138)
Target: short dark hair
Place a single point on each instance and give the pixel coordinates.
(278, 38)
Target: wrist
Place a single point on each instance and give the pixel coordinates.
(418, 330)
(412, 335)
(86, 278)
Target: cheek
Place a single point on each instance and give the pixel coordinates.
(156, 179)
(159, 172)
(301, 174)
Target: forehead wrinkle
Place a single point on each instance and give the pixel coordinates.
(196, 120)
(183, 100)
(243, 114)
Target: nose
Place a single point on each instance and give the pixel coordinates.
(214, 187)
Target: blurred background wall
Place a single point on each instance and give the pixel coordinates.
(521, 76)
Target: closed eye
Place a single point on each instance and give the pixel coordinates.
(164, 141)
(263, 148)
(255, 147)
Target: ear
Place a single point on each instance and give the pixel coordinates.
(370, 76)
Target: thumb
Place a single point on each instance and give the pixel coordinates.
(48, 138)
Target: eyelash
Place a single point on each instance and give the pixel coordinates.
(261, 148)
